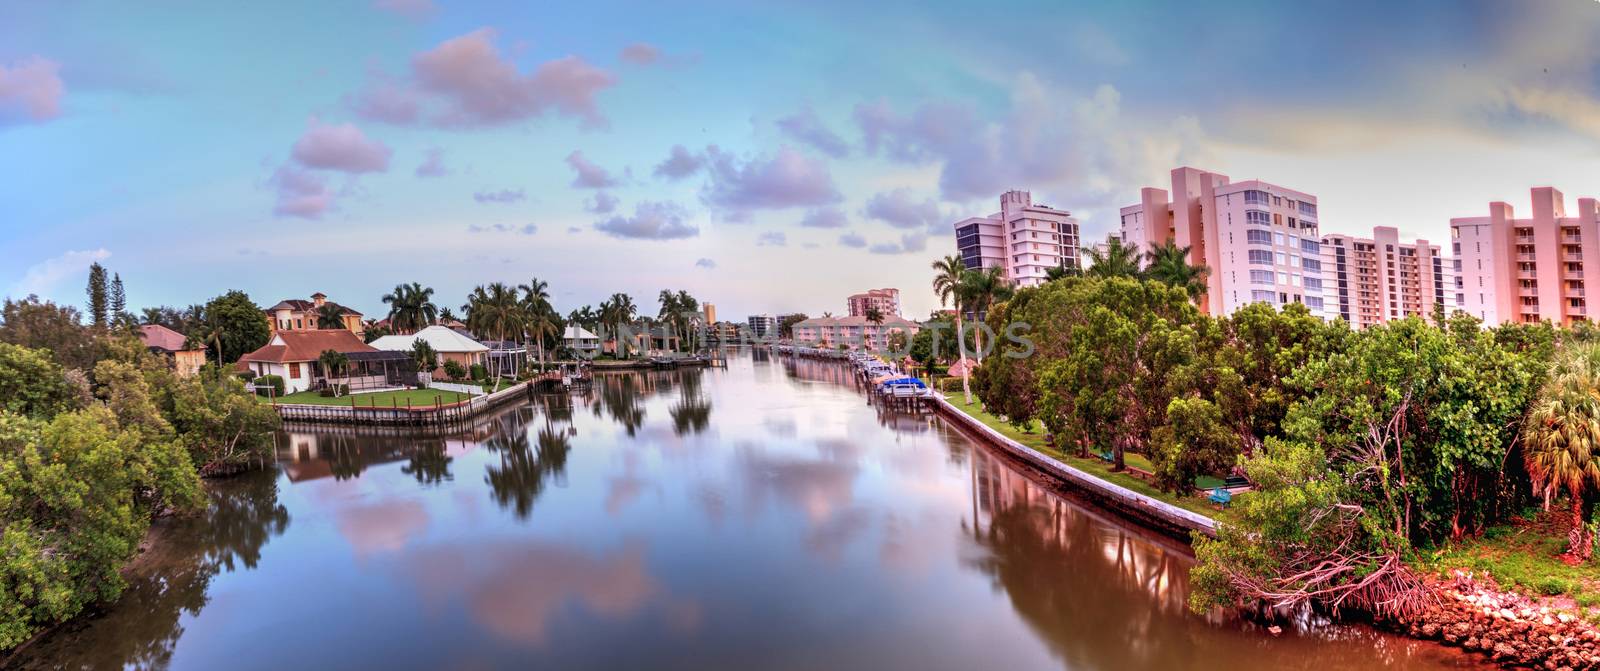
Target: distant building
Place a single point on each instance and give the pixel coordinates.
(762, 326)
(294, 356)
(1528, 270)
(580, 339)
(173, 345)
(710, 313)
(451, 345)
(853, 332)
(1024, 240)
(886, 301)
(1380, 279)
(297, 315)
(1259, 240)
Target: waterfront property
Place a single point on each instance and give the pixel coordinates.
(581, 340)
(1025, 240)
(173, 346)
(1381, 279)
(1531, 269)
(451, 345)
(294, 314)
(853, 332)
(885, 301)
(294, 356)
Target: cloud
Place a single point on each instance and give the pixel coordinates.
(473, 85)
(786, 179)
(43, 276)
(852, 240)
(301, 193)
(433, 165)
(640, 53)
(910, 243)
(772, 239)
(30, 91)
(589, 175)
(387, 101)
(652, 220)
(705, 263)
(411, 9)
(525, 229)
(501, 196)
(824, 217)
(900, 210)
(574, 230)
(341, 147)
(601, 203)
(680, 163)
(805, 127)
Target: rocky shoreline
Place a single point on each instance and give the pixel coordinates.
(1511, 629)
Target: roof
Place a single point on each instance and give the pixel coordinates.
(287, 346)
(858, 320)
(576, 332)
(307, 306)
(441, 339)
(162, 338)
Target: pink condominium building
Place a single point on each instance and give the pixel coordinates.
(887, 301)
(1023, 240)
(1378, 279)
(1528, 270)
(1259, 240)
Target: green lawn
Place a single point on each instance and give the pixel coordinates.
(382, 399)
(1524, 556)
(1092, 465)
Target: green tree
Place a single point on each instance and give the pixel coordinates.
(1561, 438)
(333, 363)
(31, 385)
(55, 328)
(424, 356)
(948, 274)
(541, 320)
(1007, 384)
(118, 298)
(98, 292)
(231, 326)
(1169, 263)
(1115, 260)
(786, 325)
(411, 307)
(330, 316)
(980, 290)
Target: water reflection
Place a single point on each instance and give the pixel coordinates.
(524, 470)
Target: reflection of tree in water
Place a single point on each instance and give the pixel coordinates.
(617, 396)
(429, 464)
(692, 412)
(142, 628)
(1105, 596)
(344, 455)
(524, 470)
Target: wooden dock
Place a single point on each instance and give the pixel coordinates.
(437, 415)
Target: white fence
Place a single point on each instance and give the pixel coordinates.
(469, 389)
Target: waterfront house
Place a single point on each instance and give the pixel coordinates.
(852, 332)
(451, 345)
(297, 315)
(581, 340)
(172, 345)
(293, 355)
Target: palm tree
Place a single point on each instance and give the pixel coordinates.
(671, 312)
(947, 284)
(616, 311)
(332, 362)
(1116, 260)
(875, 317)
(1169, 264)
(1054, 273)
(411, 307)
(981, 289)
(445, 315)
(688, 315)
(539, 317)
(1561, 437)
(330, 316)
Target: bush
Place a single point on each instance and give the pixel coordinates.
(246, 376)
(331, 391)
(1552, 586)
(274, 381)
(479, 373)
(454, 370)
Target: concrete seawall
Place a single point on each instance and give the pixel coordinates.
(1159, 514)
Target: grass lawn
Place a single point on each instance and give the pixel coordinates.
(1524, 556)
(382, 399)
(1092, 465)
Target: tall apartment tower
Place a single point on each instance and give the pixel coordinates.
(887, 301)
(1528, 270)
(1259, 240)
(1379, 279)
(1024, 240)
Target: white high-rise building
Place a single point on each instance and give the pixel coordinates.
(1024, 240)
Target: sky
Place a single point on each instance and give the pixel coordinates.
(767, 157)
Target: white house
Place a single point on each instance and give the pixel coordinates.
(451, 346)
(580, 339)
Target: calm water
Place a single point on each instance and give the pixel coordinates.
(764, 516)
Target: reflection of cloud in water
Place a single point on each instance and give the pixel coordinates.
(712, 503)
(379, 528)
(516, 590)
(779, 427)
(622, 491)
(816, 487)
(842, 450)
(830, 538)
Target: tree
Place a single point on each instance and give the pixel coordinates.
(31, 385)
(948, 273)
(373, 332)
(50, 327)
(980, 290)
(1054, 273)
(446, 315)
(424, 356)
(330, 316)
(1168, 263)
(411, 307)
(1115, 260)
(786, 325)
(333, 362)
(1007, 385)
(119, 298)
(165, 315)
(540, 320)
(1561, 438)
(231, 326)
(614, 312)
(99, 297)
(218, 423)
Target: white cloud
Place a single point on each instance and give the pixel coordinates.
(41, 277)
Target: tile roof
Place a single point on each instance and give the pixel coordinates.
(307, 306)
(440, 338)
(307, 346)
(162, 338)
(859, 320)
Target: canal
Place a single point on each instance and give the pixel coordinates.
(762, 516)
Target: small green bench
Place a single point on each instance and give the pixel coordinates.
(1221, 497)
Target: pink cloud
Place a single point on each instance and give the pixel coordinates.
(640, 53)
(340, 147)
(589, 175)
(31, 90)
(433, 165)
(411, 9)
(787, 179)
(476, 86)
(301, 193)
(680, 163)
(387, 101)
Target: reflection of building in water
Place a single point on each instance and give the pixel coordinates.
(819, 371)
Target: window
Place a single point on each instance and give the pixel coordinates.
(1264, 296)
(1310, 264)
(1310, 246)
(1283, 259)
(1313, 284)
(1261, 277)
(1257, 217)
(1313, 302)
(1257, 237)
(1278, 238)
(1253, 196)
(294, 370)
(1309, 209)
(1260, 257)
(1283, 278)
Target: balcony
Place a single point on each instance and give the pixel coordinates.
(1572, 256)
(1574, 291)
(1526, 256)
(1524, 239)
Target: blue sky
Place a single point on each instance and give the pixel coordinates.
(821, 148)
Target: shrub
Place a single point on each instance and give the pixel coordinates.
(479, 373)
(454, 370)
(274, 381)
(246, 376)
(1552, 586)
